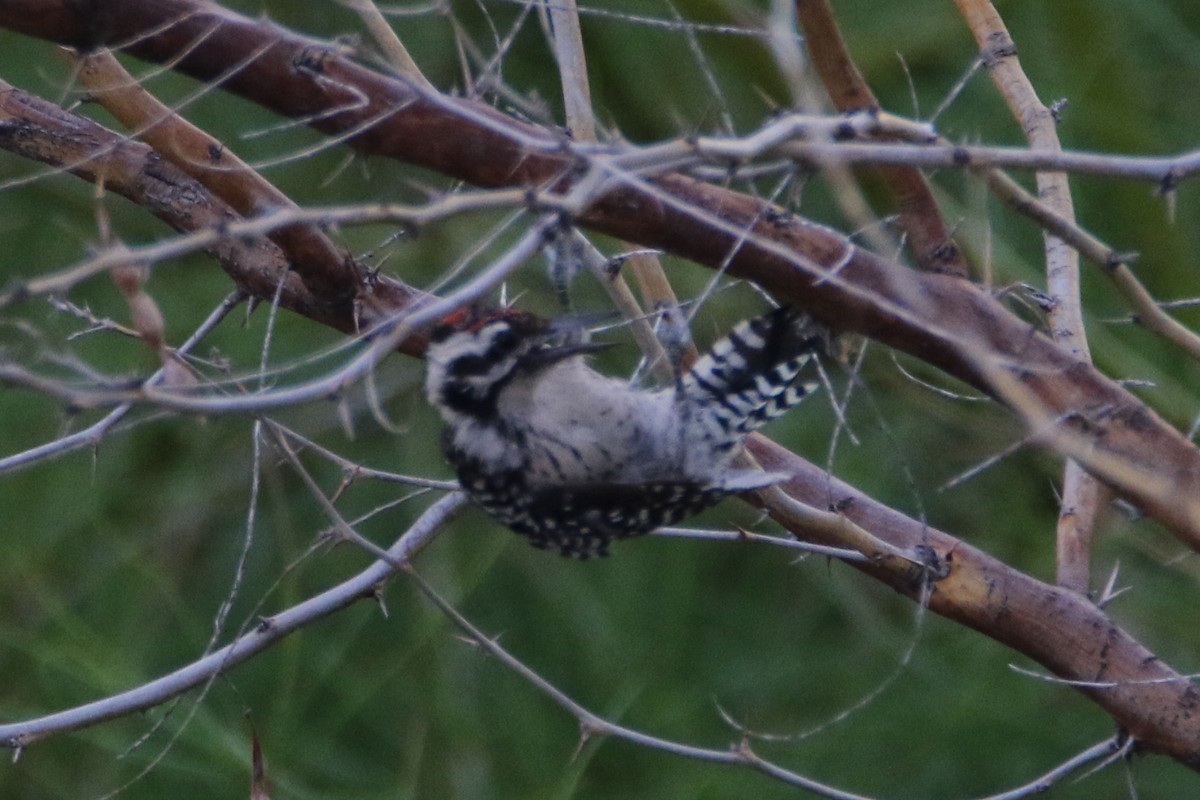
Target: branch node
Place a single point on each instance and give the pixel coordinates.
(1056, 108)
(934, 567)
(1169, 182)
(999, 47)
(587, 729)
(377, 596)
(842, 505)
(311, 60)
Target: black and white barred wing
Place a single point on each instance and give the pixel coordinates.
(581, 520)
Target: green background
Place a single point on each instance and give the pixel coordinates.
(115, 561)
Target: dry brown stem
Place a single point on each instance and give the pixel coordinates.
(311, 253)
(1080, 493)
(919, 214)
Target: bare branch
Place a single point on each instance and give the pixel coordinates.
(740, 754)
(269, 632)
(592, 724)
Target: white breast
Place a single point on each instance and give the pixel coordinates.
(583, 427)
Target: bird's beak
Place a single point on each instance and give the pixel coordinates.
(549, 356)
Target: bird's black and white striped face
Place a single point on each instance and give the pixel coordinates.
(470, 359)
(473, 356)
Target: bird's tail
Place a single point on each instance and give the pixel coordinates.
(753, 375)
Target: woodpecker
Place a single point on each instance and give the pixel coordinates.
(573, 459)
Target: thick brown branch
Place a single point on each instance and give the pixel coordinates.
(310, 252)
(1056, 627)
(43, 132)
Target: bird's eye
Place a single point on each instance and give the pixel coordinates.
(504, 340)
(469, 365)
(440, 333)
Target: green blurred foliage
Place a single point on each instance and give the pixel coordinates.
(115, 561)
